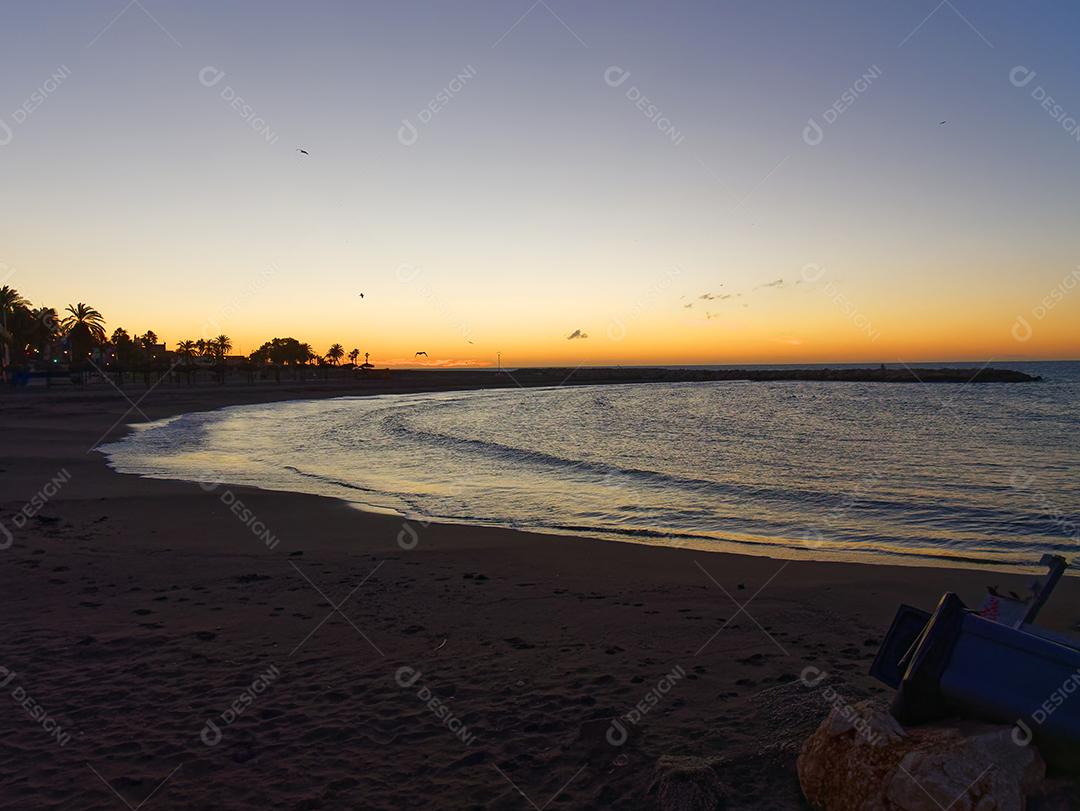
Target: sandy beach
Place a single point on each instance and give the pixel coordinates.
(173, 646)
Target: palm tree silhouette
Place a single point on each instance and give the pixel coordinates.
(85, 329)
(335, 353)
(10, 300)
(353, 355)
(186, 351)
(44, 332)
(222, 345)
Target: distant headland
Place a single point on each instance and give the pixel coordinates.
(554, 376)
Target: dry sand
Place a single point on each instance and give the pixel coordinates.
(136, 610)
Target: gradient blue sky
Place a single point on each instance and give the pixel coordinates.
(539, 200)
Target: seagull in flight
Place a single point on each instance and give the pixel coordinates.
(301, 151)
(418, 354)
(942, 122)
(361, 295)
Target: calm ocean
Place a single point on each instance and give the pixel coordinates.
(981, 473)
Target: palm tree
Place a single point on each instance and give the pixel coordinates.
(353, 356)
(335, 353)
(222, 345)
(85, 328)
(45, 331)
(219, 348)
(10, 299)
(186, 350)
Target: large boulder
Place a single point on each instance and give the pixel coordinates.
(861, 759)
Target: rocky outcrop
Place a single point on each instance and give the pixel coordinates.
(861, 759)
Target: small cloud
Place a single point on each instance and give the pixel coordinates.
(688, 306)
(714, 296)
(711, 316)
(776, 283)
(576, 334)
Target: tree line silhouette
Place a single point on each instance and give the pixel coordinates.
(39, 339)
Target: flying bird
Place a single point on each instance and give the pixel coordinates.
(418, 354)
(361, 295)
(942, 122)
(301, 151)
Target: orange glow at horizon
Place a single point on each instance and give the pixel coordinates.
(794, 319)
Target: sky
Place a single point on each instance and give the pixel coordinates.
(552, 182)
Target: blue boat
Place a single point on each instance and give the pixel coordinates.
(959, 662)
